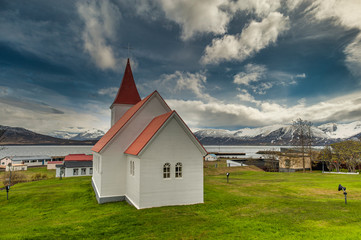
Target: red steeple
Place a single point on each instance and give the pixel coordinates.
(127, 93)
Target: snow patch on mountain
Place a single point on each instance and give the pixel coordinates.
(91, 134)
(341, 130)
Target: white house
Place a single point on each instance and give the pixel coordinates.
(74, 165)
(210, 157)
(74, 169)
(30, 161)
(149, 157)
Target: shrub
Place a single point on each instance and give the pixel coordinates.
(36, 177)
(16, 177)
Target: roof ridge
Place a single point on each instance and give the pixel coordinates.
(148, 133)
(109, 135)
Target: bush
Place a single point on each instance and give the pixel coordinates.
(36, 177)
(45, 176)
(16, 177)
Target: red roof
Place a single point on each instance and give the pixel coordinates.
(119, 124)
(153, 127)
(148, 133)
(78, 157)
(55, 162)
(127, 93)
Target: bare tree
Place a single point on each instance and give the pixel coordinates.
(271, 160)
(303, 138)
(326, 157)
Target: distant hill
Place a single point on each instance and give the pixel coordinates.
(281, 135)
(21, 136)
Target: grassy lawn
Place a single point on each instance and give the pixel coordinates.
(253, 205)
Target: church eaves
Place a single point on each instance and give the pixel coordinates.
(127, 93)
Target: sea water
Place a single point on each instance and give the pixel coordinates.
(61, 150)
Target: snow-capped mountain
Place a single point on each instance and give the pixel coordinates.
(92, 134)
(278, 134)
(345, 130)
(16, 135)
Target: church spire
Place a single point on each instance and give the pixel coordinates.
(127, 93)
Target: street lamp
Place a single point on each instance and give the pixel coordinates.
(344, 192)
(8, 186)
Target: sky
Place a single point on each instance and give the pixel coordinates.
(219, 63)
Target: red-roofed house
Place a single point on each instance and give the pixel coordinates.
(78, 157)
(149, 157)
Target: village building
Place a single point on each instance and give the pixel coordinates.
(291, 160)
(52, 164)
(75, 165)
(149, 157)
(30, 161)
(211, 157)
(6, 164)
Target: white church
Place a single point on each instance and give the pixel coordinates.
(149, 157)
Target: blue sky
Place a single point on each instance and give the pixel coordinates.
(218, 63)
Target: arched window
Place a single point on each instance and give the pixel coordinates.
(178, 170)
(166, 170)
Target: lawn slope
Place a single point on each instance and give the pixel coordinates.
(253, 205)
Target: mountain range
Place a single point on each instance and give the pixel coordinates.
(270, 135)
(22, 136)
(279, 134)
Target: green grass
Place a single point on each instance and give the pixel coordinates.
(253, 205)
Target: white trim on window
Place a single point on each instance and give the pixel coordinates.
(166, 171)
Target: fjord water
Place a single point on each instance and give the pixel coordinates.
(57, 150)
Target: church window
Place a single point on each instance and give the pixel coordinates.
(166, 170)
(178, 170)
(131, 168)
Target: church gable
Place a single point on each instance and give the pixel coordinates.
(131, 115)
(154, 127)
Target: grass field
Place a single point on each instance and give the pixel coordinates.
(253, 205)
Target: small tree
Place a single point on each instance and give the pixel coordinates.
(347, 152)
(326, 157)
(303, 138)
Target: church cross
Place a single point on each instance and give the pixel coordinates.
(129, 48)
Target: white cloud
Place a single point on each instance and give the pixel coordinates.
(4, 91)
(100, 20)
(353, 56)
(254, 77)
(344, 13)
(254, 37)
(112, 91)
(183, 83)
(218, 114)
(41, 119)
(303, 75)
(197, 16)
(246, 97)
(252, 73)
(260, 7)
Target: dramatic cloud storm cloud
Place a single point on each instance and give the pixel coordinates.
(100, 19)
(254, 37)
(196, 113)
(197, 16)
(252, 73)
